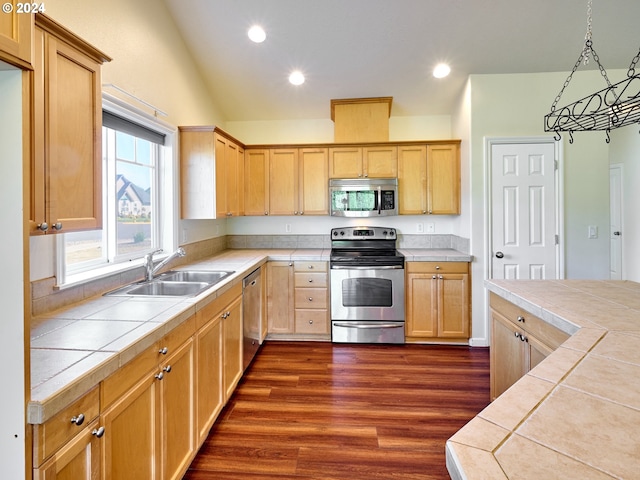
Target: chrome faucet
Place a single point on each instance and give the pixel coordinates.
(150, 270)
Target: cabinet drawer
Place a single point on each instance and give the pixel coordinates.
(311, 298)
(308, 279)
(547, 334)
(215, 307)
(311, 321)
(118, 383)
(177, 337)
(437, 267)
(58, 430)
(310, 266)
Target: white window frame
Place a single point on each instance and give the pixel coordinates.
(168, 201)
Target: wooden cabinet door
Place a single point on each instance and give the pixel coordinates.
(73, 132)
(412, 180)
(177, 411)
(422, 305)
(380, 161)
(313, 184)
(15, 34)
(79, 459)
(536, 352)
(132, 438)
(220, 151)
(209, 397)
(280, 306)
(232, 348)
(443, 179)
(508, 360)
(345, 162)
(453, 306)
(283, 181)
(256, 183)
(197, 173)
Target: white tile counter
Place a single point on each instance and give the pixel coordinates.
(576, 414)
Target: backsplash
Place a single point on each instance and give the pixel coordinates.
(45, 297)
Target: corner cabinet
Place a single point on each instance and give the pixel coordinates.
(211, 174)
(519, 342)
(16, 30)
(429, 179)
(438, 297)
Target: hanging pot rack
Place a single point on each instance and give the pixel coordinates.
(615, 106)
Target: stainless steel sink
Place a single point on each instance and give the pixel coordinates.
(175, 283)
(193, 276)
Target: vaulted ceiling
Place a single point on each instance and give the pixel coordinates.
(388, 48)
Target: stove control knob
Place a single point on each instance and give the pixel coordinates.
(335, 233)
(384, 233)
(342, 232)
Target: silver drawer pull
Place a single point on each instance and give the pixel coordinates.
(98, 432)
(78, 420)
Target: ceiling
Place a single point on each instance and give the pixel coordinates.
(388, 48)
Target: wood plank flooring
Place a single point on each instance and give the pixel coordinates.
(310, 410)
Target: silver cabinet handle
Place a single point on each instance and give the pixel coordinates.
(310, 322)
(311, 299)
(78, 420)
(310, 266)
(159, 376)
(43, 227)
(520, 318)
(57, 226)
(167, 369)
(163, 351)
(311, 280)
(98, 432)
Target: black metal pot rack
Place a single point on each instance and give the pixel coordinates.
(615, 106)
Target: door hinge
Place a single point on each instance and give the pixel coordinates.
(555, 164)
(557, 239)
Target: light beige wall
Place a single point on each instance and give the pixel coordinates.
(431, 127)
(515, 106)
(150, 59)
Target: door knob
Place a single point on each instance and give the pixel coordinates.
(499, 254)
(616, 233)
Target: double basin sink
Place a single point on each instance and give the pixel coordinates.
(174, 283)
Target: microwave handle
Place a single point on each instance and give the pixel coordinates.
(379, 199)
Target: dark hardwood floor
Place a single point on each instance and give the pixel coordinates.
(308, 410)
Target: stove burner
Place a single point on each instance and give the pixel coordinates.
(364, 247)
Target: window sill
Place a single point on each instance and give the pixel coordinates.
(95, 274)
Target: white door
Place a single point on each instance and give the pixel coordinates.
(523, 209)
(615, 228)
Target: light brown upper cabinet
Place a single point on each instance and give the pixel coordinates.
(429, 179)
(16, 30)
(66, 147)
(373, 161)
(211, 174)
(286, 181)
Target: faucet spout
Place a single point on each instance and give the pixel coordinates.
(150, 270)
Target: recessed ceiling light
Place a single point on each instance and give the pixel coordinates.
(257, 34)
(296, 78)
(441, 70)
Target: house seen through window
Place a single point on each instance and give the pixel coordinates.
(132, 212)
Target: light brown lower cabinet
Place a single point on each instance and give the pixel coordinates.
(519, 342)
(437, 302)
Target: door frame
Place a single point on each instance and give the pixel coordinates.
(620, 194)
(559, 197)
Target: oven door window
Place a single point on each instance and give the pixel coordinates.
(367, 292)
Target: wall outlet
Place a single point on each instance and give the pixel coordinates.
(287, 227)
(431, 227)
(420, 227)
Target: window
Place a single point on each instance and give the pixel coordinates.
(138, 194)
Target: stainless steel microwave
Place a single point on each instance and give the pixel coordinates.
(363, 197)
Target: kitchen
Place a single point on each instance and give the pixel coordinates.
(485, 97)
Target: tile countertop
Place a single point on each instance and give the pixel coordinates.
(576, 414)
(74, 348)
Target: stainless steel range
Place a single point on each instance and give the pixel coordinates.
(367, 286)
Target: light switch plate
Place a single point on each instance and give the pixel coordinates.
(593, 231)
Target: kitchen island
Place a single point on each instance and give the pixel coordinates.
(577, 413)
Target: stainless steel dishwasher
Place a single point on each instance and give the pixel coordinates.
(251, 315)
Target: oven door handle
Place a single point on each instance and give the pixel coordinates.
(369, 325)
(379, 267)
